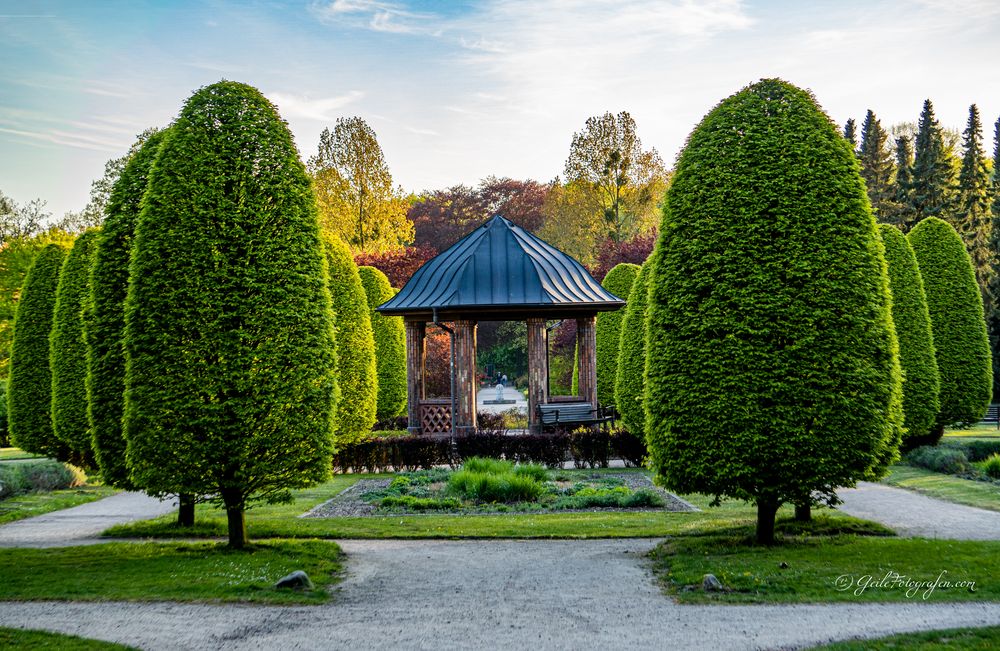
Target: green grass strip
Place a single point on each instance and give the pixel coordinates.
(953, 639)
(15, 638)
(981, 494)
(32, 504)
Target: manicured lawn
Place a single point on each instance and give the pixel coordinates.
(169, 571)
(984, 495)
(16, 453)
(975, 431)
(32, 504)
(957, 639)
(820, 567)
(15, 638)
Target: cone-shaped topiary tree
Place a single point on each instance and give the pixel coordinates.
(229, 336)
(921, 381)
(772, 370)
(629, 390)
(390, 345)
(356, 369)
(29, 389)
(68, 351)
(956, 310)
(618, 281)
(106, 321)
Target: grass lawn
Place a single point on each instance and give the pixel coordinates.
(169, 571)
(821, 563)
(984, 495)
(32, 504)
(15, 638)
(975, 431)
(16, 453)
(957, 639)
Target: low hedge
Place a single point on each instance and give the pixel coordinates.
(945, 459)
(18, 478)
(974, 450)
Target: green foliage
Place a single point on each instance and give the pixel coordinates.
(973, 218)
(29, 391)
(772, 369)
(921, 381)
(68, 350)
(390, 345)
(229, 336)
(877, 169)
(411, 503)
(939, 459)
(617, 497)
(619, 282)
(490, 487)
(356, 367)
(487, 465)
(932, 183)
(991, 466)
(4, 437)
(956, 311)
(629, 390)
(106, 320)
(40, 475)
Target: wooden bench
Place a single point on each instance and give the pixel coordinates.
(554, 414)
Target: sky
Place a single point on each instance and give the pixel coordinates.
(457, 91)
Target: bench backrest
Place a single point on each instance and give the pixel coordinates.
(566, 412)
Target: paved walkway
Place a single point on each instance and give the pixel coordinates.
(82, 524)
(491, 594)
(913, 514)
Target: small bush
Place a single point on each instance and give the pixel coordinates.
(490, 466)
(11, 481)
(590, 447)
(532, 470)
(992, 466)
(488, 487)
(939, 459)
(975, 450)
(628, 447)
(617, 497)
(411, 503)
(548, 449)
(44, 475)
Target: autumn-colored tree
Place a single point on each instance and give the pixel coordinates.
(398, 265)
(354, 189)
(611, 253)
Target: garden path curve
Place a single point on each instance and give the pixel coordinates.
(912, 514)
(428, 594)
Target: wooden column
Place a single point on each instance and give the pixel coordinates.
(416, 354)
(538, 371)
(465, 377)
(586, 341)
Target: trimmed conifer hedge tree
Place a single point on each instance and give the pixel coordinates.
(921, 381)
(629, 389)
(772, 371)
(956, 310)
(68, 351)
(618, 281)
(390, 345)
(356, 369)
(29, 389)
(106, 321)
(229, 332)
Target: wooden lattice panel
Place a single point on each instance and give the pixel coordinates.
(435, 417)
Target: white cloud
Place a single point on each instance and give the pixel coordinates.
(323, 109)
(389, 17)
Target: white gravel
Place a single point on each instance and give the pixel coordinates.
(491, 594)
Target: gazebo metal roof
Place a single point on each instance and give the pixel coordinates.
(502, 271)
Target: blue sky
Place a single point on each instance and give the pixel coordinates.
(460, 90)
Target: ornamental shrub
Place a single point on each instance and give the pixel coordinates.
(356, 368)
(921, 381)
(29, 389)
(608, 330)
(68, 351)
(772, 369)
(390, 345)
(948, 460)
(956, 310)
(106, 321)
(230, 383)
(629, 388)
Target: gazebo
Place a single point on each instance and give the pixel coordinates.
(499, 272)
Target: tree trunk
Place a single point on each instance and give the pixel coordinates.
(185, 510)
(233, 500)
(767, 508)
(803, 512)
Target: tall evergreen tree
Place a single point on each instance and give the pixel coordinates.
(629, 386)
(973, 215)
(877, 169)
(904, 217)
(618, 281)
(390, 345)
(933, 184)
(993, 311)
(229, 332)
(851, 133)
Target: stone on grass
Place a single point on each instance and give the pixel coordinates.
(297, 580)
(711, 584)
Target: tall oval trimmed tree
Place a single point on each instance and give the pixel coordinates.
(355, 344)
(390, 345)
(629, 389)
(29, 389)
(956, 310)
(68, 351)
(106, 321)
(229, 333)
(921, 382)
(618, 281)
(772, 372)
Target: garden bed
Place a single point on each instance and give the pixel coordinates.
(499, 487)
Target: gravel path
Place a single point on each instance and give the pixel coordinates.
(497, 594)
(82, 524)
(912, 514)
